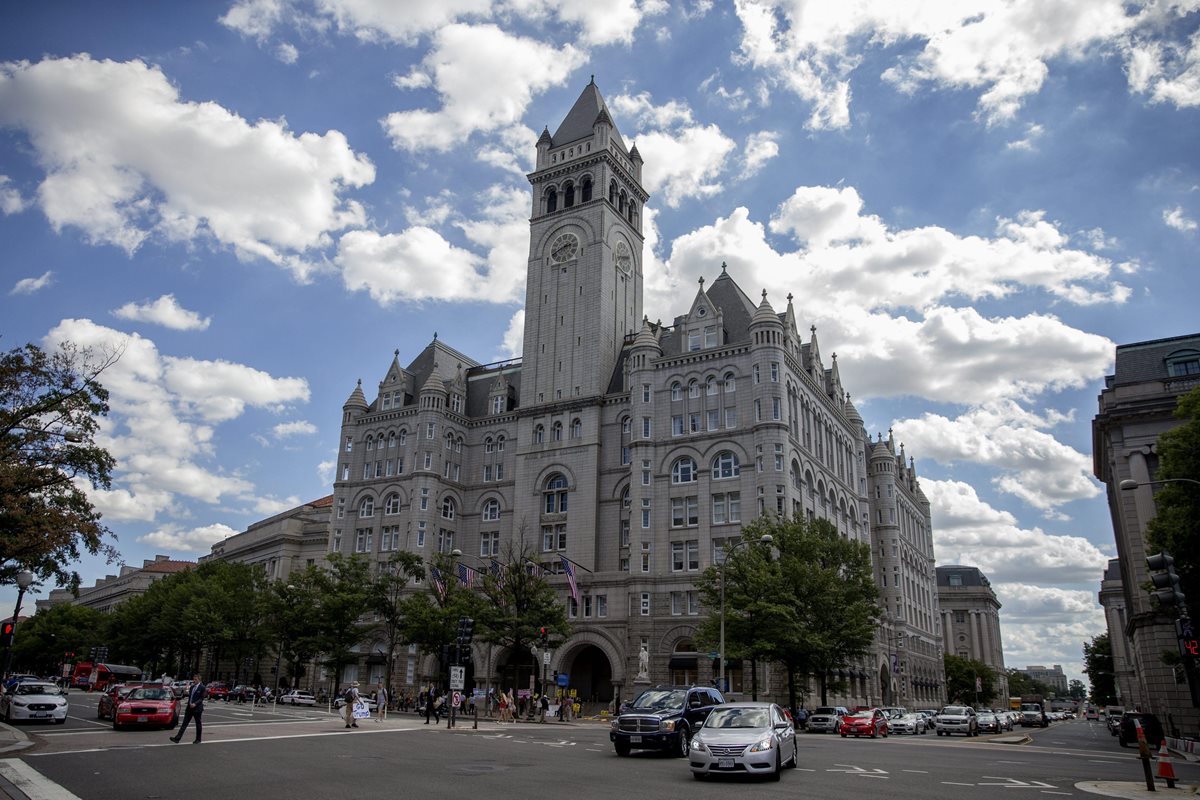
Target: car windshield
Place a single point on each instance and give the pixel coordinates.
(737, 718)
(982, 717)
(659, 699)
(37, 688)
(861, 715)
(825, 710)
(151, 693)
(959, 710)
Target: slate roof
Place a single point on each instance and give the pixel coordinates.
(582, 116)
(1146, 361)
(971, 576)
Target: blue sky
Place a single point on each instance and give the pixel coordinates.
(972, 201)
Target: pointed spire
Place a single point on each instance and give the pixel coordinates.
(647, 336)
(764, 313)
(545, 137)
(634, 155)
(356, 399)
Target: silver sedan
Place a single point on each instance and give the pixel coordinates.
(908, 723)
(745, 738)
(34, 701)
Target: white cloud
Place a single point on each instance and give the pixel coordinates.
(296, 428)
(255, 18)
(1003, 50)
(1032, 464)
(11, 201)
(126, 159)
(270, 506)
(761, 147)
(326, 470)
(287, 53)
(1175, 218)
(196, 540)
(161, 428)
(1028, 143)
(514, 336)
(164, 311)
(31, 285)
(486, 78)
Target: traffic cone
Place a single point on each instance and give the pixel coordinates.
(1166, 770)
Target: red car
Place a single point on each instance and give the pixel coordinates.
(112, 696)
(153, 705)
(217, 690)
(871, 722)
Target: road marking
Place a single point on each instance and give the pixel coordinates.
(134, 746)
(1012, 762)
(1068, 794)
(955, 783)
(34, 784)
(1092, 761)
(917, 771)
(1013, 783)
(855, 770)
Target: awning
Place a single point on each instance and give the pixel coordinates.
(376, 658)
(682, 662)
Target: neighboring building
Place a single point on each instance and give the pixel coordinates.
(288, 542)
(971, 620)
(112, 590)
(1112, 599)
(1136, 406)
(1054, 677)
(633, 449)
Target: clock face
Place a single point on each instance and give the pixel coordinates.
(565, 248)
(623, 260)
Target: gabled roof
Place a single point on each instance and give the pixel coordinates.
(582, 116)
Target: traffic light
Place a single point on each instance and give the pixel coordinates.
(1166, 581)
(543, 637)
(466, 630)
(6, 632)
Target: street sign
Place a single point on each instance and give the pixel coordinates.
(546, 658)
(563, 679)
(458, 678)
(457, 700)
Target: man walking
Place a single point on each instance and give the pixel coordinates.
(195, 710)
(381, 703)
(351, 701)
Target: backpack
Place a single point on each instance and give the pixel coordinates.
(349, 696)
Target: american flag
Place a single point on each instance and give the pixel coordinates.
(533, 568)
(498, 571)
(466, 575)
(438, 583)
(567, 568)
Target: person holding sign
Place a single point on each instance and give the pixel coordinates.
(351, 698)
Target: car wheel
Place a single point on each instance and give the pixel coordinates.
(843, 736)
(1121, 741)
(116, 727)
(622, 748)
(684, 744)
(873, 734)
(60, 721)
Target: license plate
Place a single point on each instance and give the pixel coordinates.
(635, 740)
(41, 714)
(142, 719)
(724, 763)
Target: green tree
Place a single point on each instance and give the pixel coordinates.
(50, 405)
(44, 638)
(1076, 690)
(961, 675)
(388, 591)
(344, 598)
(1098, 666)
(1177, 505)
(293, 622)
(516, 604)
(429, 619)
(808, 601)
(1021, 684)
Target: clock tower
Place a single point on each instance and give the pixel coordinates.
(584, 285)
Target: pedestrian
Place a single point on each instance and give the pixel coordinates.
(381, 703)
(194, 711)
(351, 698)
(543, 707)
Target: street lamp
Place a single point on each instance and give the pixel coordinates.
(766, 538)
(1128, 484)
(24, 579)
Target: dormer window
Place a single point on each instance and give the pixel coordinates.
(693, 340)
(1182, 363)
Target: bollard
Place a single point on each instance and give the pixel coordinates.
(1144, 755)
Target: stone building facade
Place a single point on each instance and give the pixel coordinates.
(636, 450)
(112, 590)
(1136, 406)
(1112, 600)
(971, 620)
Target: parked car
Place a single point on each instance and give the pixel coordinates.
(909, 723)
(957, 719)
(1112, 718)
(990, 723)
(113, 695)
(1151, 727)
(298, 698)
(151, 705)
(747, 738)
(34, 700)
(827, 718)
(362, 698)
(871, 722)
(663, 718)
(180, 687)
(217, 690)
(891, 712)
(243, 694)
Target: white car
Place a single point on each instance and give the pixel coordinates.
(915, 724)
(341, 701)
(36, 701)
(297, 698)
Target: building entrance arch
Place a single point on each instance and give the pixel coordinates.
(591, 674)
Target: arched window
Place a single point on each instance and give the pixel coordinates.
(491, 511)
(684, 470)
(448, 508)
(676, 391)
(539, 434)
(626, 425)
(693, 389)
(576, 429)
(556, 432)
(458, 444)
(449, 441)
(403, 436)
(621, 203)
(392, 504)
(551, 200)
(612, 192)
(500, 444)
(710, 388)
(585, 190)
(726, 465)
(367, 507)
(370, 442)
(730, 382)
(626, 502)
(489, 445)
(391, 440)
(555, 495)
(569, 195)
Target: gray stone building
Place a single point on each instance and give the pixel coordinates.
(634, 449)
(1112, 600)
(971, 620)
(1136, 406)
(287, 542)
(112, 590)
(1054, 677)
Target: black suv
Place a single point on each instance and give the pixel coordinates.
(1151, 727)
(663, 718)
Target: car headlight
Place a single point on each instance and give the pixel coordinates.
(698, 745)
(615, 724)
(123, 708)
(19, 702)
(765, 744)
(668, 725)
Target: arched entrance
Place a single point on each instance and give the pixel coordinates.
(591, 674)
(515, 668)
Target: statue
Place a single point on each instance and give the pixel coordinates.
(644, 664)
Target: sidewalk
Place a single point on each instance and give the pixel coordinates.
(12, 741)
(1136, 790)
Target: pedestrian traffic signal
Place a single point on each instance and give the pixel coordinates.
(6, 633)
(1165, 580)
(543, 637)
(466, 630)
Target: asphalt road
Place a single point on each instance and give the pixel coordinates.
(308, 754)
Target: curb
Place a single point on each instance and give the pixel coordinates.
(12, 739)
